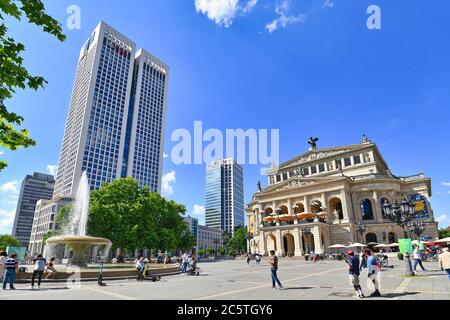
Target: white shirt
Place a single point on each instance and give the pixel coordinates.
(416, 254)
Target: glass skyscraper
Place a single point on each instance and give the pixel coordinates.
(224, 203)
(116, 116)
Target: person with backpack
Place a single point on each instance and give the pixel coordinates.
(353, 270)
(372, 271)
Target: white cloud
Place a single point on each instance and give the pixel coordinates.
(165, 155)
(441, 218)
(328, 4)
(223, 12)
(283, 19)
(446, 184)
(249, 6)
(1, 153)
(167, 183)
(199, 210)
(6, 221)
(52, 169)
(12, 186)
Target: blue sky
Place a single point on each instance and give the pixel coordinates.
(308, 68)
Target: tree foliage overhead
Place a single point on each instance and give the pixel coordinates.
(13, 75)
(135, 219)
(7, 240)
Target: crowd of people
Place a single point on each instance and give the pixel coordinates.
(367, 262)
(9, 267)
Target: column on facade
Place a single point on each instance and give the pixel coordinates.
(279, 241)
(317, 239)
(298, 242)
(345, 205)
(378, 213)
(274, 208)
(260, 214)
(307, 205)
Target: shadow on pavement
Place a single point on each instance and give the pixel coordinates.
(395, 295)
(297, 288)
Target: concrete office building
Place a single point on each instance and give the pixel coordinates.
(34, 187)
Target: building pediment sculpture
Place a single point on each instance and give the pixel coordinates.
(295, 184)
(317, 155)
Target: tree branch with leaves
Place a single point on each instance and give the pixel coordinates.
(13, 75)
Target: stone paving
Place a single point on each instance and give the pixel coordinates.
(234, 280)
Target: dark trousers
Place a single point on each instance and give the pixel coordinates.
(38, 274)
(275, 278)
(448, 273)
(418, 262)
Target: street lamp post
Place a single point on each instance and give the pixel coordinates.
(402, 214)
(249, 236)
(361, 228)
(305, 231)
(417, 228)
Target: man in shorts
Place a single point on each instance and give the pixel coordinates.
(353, 271)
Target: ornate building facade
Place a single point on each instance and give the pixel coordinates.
(320, 197)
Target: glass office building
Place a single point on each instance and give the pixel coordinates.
(224, 203)
(116, 115)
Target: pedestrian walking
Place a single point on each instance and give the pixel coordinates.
(12, 267)
(353, 270)
(273, 270)
(444, 261)
(39, 268)
(3, 256)
(372, 271)
(417, 256)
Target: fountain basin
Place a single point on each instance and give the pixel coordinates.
(79, 245)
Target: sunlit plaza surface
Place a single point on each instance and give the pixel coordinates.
(234, 280)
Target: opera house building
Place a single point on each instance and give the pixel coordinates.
(334, 195)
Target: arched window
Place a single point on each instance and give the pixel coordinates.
(371, 237)
(382, 202)
(392, 237)
(366, 209)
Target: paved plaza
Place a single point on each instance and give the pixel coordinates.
(234, 280)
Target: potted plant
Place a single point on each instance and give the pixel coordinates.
(400, 256)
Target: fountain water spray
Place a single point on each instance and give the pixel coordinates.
(75, 230)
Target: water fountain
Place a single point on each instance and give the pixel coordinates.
(74, 233)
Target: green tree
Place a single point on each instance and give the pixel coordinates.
(444, 233)
(200, 252)
(222, 251)
(238, 243)
(210, 251)
(13, 75)
(7, 240)
(135, 219)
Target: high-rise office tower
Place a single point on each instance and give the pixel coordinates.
(34, 188)
(224, 205)
(116, 115)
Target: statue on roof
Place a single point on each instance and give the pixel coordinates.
(313, 143)
(258, 185)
